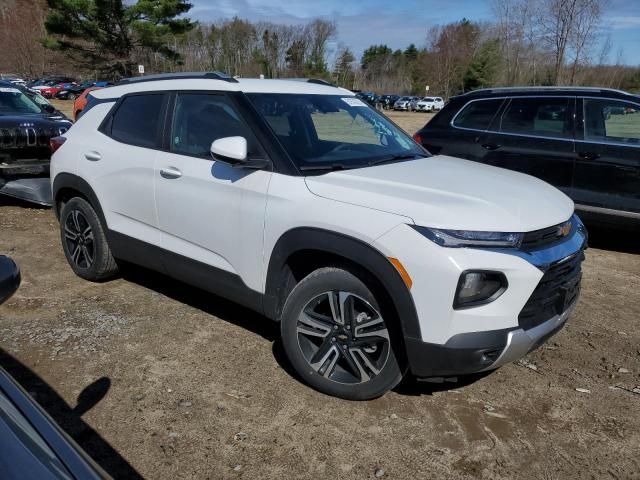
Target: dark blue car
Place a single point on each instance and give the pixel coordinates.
(32, 445)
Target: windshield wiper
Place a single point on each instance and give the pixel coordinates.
(329, 167)
(393, 158)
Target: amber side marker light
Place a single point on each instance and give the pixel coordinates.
(401, 270)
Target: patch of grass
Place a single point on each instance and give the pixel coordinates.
(65, 106)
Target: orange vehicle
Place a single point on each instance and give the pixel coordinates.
(81, 102)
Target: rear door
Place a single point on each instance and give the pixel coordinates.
(120, 163)
(534, 135)
(608, 155)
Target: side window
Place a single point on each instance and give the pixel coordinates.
(137, 120)
(545, 117)
(612, 120)
(477, 115)
(201, 118)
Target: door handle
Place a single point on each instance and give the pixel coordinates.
(589, 155)
(93, 156)
(170, 172)
(491, 146)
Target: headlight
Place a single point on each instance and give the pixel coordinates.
(470, 238)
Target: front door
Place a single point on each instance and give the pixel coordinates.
(210, 214)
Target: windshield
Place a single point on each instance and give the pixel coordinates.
(325, 130)
(13, 100)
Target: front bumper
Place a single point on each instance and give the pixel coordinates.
(545, 281)
(476, 352)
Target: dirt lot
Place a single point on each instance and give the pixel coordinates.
(187, 385)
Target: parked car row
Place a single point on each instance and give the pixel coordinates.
(68, 91)
(63, 88)
(419, 104)
(403, 103)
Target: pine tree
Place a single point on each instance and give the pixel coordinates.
(103, 34)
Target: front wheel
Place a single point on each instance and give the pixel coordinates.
(336, 338)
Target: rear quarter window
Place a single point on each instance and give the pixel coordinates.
(137, 120)
(478, 114)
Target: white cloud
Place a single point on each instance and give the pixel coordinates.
(623, 23)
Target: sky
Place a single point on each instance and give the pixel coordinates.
(399, 23)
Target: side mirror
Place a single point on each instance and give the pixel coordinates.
(9, 278)
(49, 108)
(232, 150)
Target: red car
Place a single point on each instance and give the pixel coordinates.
(52, 90)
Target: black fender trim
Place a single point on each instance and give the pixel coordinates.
(352, 249)
(74, 182)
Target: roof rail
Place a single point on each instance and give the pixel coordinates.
(546, 88)
(318, 81)
(179, 76)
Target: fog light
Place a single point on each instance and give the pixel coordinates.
(477, 287)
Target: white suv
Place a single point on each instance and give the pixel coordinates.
(429, 104)
(298, 200)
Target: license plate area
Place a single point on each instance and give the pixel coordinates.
(569, 293)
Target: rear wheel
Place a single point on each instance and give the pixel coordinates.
(84, 241)
(336, 337)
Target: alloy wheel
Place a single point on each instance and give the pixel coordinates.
(79, 237)
(343, 337)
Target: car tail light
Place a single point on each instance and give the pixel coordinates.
(417, 138)
(55, 143)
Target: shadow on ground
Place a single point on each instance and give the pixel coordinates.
(70, 419)
(260, 325)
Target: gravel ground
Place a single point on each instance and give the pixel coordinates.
(156, 379)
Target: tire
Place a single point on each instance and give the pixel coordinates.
(348, 356)
(72, 96)
(85, 243)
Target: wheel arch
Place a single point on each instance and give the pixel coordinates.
(314, 248)
(67, 186)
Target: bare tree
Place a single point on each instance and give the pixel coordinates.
(569, 26)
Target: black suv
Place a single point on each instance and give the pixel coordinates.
(585, 141)
(26, 128)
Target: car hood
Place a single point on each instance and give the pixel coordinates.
(447, 192)
(36, 120)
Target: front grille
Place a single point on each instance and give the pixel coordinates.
(545, 236)
(16, 138)
(557, 290)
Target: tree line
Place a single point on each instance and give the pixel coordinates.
(530, 42)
